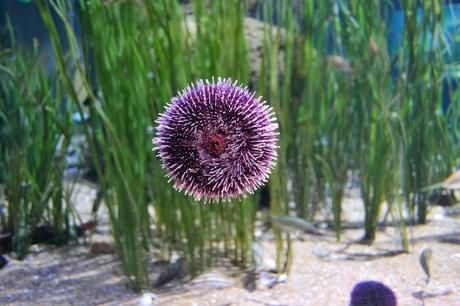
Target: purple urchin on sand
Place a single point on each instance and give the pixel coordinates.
(216, 140)
(372, 293)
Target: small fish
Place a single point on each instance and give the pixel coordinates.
(213, 280)
(424, 259)
(293, 224)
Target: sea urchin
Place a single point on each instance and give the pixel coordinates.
(216, 140)
(372, 293)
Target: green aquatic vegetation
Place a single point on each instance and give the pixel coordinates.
(35, 131)
(345, 107)
(278, 94)
(425, 136)
(136, 56)
(294, 224)
(374, 108)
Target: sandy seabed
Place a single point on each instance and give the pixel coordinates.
(323, 271)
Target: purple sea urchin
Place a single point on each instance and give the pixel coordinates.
(372, 293)
(216, 140)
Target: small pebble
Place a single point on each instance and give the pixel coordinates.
(270, 265)
(282, 278)
(36, 280)
(147, 299)
(267, 280)
(321, 253)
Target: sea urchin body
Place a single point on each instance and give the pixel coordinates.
(216, 140)
(372, 293)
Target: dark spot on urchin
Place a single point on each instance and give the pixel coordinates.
(217, 141)
(372, 293)
(215, 144)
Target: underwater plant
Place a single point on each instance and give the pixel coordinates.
(217, 141)
(372, 293)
